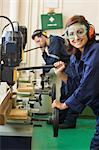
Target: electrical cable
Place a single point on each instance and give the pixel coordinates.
(9, 24)
(9, 21)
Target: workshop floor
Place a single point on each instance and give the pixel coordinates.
(68, 139)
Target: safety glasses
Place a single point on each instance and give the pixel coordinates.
(76, 29)
(37, 39)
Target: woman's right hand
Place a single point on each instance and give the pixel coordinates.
(59, 71)
(59, 67)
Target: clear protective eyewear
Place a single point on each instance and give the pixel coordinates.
(37, 39)
(79, 30)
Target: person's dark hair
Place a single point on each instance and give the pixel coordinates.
(80, 19)
(38, 33)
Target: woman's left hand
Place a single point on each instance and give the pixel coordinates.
(59, 105)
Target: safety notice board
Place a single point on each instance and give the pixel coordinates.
(52, 21)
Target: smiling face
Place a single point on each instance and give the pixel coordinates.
(77, 35)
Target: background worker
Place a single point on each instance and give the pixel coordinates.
(81, 37)
(56, 51)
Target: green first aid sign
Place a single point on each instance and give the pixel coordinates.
(51, 21)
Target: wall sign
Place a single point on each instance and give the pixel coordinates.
(52, 21)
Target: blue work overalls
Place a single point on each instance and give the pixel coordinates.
(87, 93)
(56, 50)
(74, 71)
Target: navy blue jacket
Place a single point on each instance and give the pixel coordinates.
(74, 71)
(57, 51)
(87, 92)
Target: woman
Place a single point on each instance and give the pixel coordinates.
(81, 37)
(57, 51)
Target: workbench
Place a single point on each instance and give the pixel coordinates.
(15, 136)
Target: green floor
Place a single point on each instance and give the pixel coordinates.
(68, 139)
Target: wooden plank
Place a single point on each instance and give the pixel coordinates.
(5, 108)
(18, 114)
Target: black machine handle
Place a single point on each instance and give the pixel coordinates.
(35, 67)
